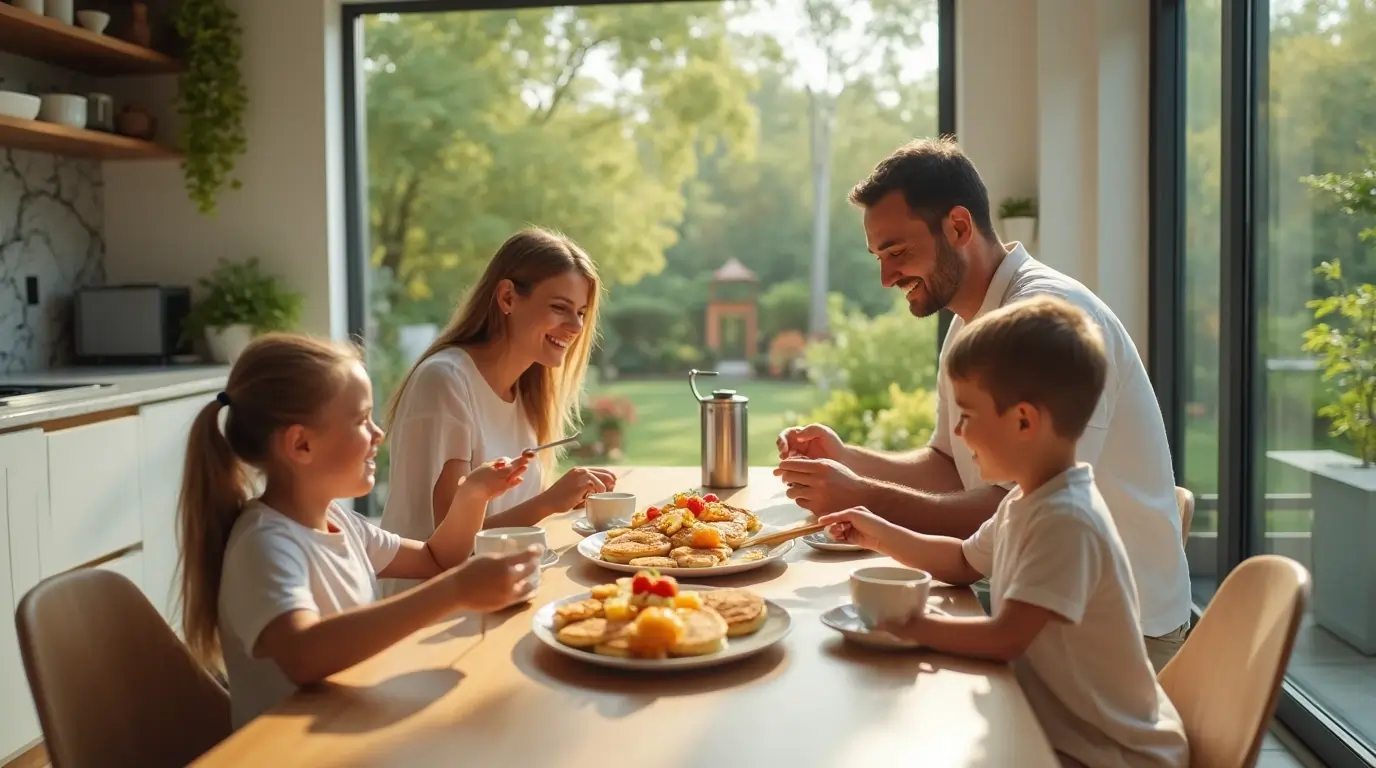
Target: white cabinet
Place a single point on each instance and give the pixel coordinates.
(23, 499)
(163, 430)
(94, 502)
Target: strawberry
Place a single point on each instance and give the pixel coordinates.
(652, 513)
(664, 588)
(696, 505)
(711, 498)
(642, 583)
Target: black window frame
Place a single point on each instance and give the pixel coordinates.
(1245, 93)
(356, 141)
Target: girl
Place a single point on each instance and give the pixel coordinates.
(504, 376)
(282, 587)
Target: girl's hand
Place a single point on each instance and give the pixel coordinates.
(860, 527)
(493, 582)
(577, 484)
(496, 477)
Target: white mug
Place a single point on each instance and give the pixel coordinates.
(885, 595)
(607, 510)
(506, 541)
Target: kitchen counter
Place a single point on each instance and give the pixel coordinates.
(132, 387)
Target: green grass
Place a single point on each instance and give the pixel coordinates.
(667, 431)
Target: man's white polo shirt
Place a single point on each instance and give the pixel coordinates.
(1125, 442)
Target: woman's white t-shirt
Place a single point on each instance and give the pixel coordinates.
(274, 565)
(447, 412)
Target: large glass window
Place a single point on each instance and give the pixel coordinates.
(701, 152)
(1320, 71)
(1203, 60)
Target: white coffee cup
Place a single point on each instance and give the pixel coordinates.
(885, 595)
(607, 510)
(506, 541)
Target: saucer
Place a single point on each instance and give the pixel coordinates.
(820, 540)
(844, 619)
(582, 527)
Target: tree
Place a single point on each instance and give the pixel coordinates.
(586, 119)
(841, 42)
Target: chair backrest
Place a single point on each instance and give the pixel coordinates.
(1185, 501)
(1225, 679)
(112, 683)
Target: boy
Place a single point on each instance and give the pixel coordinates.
(1026, 379)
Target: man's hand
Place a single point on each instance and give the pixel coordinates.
(813, 441)
(822, 486)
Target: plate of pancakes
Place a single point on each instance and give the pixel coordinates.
(687, 537)
(614, 625)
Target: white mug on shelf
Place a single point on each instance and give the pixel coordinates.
(62, 10)
(63, 109)
(32, 6)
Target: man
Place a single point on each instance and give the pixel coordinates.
(927, 221)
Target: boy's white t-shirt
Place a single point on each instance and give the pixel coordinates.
(1125, 442)
(449, 411)
(1088, 678)
(274, 565)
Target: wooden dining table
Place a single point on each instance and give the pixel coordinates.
(480, 690)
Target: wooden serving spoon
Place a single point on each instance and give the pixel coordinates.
(787, 534)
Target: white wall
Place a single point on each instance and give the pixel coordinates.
(1052, 100)
(290, 211)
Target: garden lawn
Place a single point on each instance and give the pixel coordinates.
(667, 427)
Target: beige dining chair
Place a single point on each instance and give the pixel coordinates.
(1225, 679)
(1185, 501)
(113, 684)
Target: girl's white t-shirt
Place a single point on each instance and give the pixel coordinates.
(274, 565)
(447, 412)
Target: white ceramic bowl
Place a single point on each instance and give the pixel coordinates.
(63, 109)
(96, 21)
(21, 105)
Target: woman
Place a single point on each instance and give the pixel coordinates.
(505, 375)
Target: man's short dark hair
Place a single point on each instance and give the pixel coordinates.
(934, 176)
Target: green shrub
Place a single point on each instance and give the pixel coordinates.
(867, 354)
(784, 307)
(906, 424)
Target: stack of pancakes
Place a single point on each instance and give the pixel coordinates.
(725, 613)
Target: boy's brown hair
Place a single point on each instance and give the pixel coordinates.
(1042, 350)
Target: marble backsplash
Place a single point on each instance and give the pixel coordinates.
(51, 228)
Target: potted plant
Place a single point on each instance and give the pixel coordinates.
(613, 413)
(239, 301)
(211, 98)
(1343, 485)
(1018, 216)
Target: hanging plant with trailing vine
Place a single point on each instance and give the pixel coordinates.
(211, 98)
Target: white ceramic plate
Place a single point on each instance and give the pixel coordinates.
(776, 626)
(820, 540)
(843, 619)
(591, 548)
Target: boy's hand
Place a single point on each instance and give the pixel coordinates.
(860, 527)
(490, 480)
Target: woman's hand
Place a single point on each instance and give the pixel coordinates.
(576, 485)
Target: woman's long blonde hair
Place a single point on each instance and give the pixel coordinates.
(549, 397)
(278, 381)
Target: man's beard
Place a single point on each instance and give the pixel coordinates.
(940, 287)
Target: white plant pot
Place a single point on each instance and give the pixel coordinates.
(1023, 229)
(1344, 573)
(228, 342)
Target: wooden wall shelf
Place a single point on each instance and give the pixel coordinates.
(39, 37)
(77, 142)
